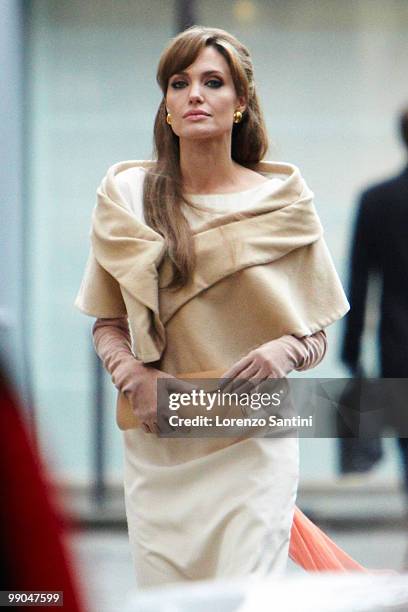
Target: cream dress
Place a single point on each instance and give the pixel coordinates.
(207, 508)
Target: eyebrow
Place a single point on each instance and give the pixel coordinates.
(206, 73)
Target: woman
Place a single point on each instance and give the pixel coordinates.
(215, 261)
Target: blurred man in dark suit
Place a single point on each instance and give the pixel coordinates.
(380, 247)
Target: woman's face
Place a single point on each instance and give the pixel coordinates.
(202, 99)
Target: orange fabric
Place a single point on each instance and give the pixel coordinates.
(313, 550)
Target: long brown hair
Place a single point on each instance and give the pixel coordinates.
(163, 189)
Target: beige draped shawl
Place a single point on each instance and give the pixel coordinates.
(256, 278)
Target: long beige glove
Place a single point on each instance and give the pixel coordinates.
(276, 358)
(112, 344)
(137, 381)
(301, 353)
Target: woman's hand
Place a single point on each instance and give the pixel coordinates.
(274, 359)
(141, 391)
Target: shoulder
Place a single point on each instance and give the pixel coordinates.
(128, 173)
(128, 179)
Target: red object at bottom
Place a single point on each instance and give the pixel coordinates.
(33, 552)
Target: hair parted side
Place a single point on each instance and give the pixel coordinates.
(163, 190)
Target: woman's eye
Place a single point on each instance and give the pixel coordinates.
(178, 84)
(214, 83)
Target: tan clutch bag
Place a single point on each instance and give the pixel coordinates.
(125, 417)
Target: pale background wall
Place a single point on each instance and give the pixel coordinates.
(12, 281)
(331, 77)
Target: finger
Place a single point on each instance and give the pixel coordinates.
(251, 382)
(164, 424)
(254, 385)
(145, 428)
(236, 369)
(259, 380)
(155, 428)
(241, 378)
(247, 386)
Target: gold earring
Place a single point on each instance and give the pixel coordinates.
(237, 116)
(168, 118)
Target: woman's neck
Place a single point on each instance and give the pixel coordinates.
(207, 166)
